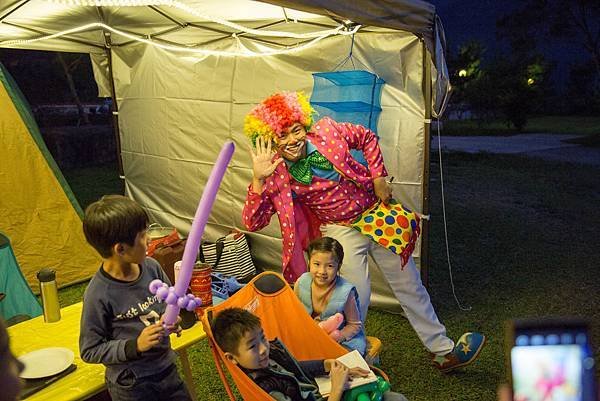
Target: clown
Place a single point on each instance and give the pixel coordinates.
(303, 171)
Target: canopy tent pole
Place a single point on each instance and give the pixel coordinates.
(426, 150)
(115, 108)
(113, 92)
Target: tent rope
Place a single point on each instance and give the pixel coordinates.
(439, 141)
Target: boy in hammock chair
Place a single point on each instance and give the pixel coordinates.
(240, 336)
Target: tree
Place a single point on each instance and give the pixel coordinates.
(68, 70)
(508, 86)
(575, 20)
(464, 70)
(581, 97)
(50, 77)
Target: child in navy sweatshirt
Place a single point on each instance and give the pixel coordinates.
(121, 325)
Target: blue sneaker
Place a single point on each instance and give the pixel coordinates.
(466, 350)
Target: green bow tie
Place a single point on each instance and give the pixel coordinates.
(301, 170)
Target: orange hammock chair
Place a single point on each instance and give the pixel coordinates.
(283, 316)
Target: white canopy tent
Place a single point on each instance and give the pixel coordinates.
(185, 72)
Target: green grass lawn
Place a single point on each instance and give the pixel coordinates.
(524, 240)
(90, 183)
(576, 125)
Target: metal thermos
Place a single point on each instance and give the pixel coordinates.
(49, 294)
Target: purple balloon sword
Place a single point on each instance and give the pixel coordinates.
(176, 297)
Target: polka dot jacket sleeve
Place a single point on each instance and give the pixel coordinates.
(361, 138)
(257, 211)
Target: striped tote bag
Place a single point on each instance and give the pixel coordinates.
(229, 255)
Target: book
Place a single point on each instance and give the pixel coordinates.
(352, 359)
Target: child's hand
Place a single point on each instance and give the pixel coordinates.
(339, 379)
(336, 335)
(327, 364)
(172, 328)
(150, 337)
(357, 372)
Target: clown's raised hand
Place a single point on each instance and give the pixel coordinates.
(262, 163)
(382, 189)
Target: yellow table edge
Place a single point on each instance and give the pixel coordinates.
(72, 314)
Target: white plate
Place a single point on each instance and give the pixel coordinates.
(46, 362)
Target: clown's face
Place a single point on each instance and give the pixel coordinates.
(292, 144)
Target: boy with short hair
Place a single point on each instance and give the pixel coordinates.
(121, 324)
(270, 365)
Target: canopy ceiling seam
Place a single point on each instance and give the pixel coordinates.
(167, 31)
(206, 28)
(65, 37)
(208, 42)
(153, 36)
(274, 23)
(267, 25)
(285, 14)
(248, 36)
(133, 33)
(230, 35)
(167, 16)
(157, 37)
(14, 9)
(320, 24)
(297, 44)
(164, 41)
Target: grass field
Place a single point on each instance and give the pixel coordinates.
(524, 239)
(90, 183)
(576, 125)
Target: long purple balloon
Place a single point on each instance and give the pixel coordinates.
(193, 242)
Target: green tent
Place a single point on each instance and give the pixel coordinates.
(18, 298)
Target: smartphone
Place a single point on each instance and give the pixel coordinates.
(551, 360)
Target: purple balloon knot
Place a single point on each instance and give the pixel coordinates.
(189, 302)
(155, 285)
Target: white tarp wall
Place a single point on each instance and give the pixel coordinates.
(177, 109)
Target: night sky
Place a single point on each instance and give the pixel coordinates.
(466, 20)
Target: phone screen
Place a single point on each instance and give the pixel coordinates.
(552, 364)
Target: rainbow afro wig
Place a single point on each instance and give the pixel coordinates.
(276, 113)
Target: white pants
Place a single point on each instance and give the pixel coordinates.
(405, 283)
